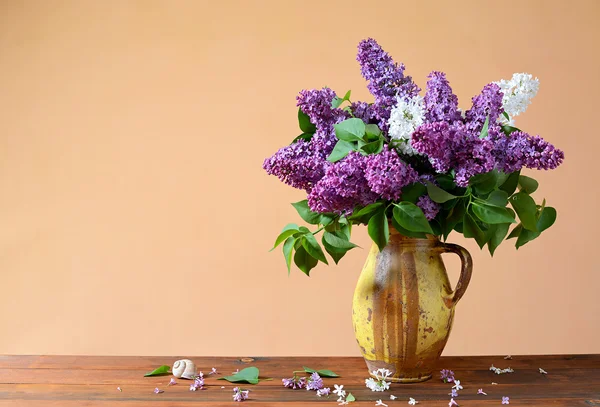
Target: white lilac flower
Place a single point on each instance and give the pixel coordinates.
(412, 401)
(380, 403)
(518, 92)
(392, 397)
(507, 357)
(342, 402)
(118, 388)
(494, 383)
(379, 383)
(452, 403)
(239, 394)
(213, 370)
(542, 371)
(405, 117)
(323, 392)
(339, 391)
(497, 370)
(457, 385)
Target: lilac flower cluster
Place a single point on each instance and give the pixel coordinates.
(315, 382)
(440, 103)
(387, 174)
(343, 187)
(294, 382)
(453, 147)
(429, 208)
(487, 104)
(523, 150)
(239, 394)
(386, 78)
(447, 375)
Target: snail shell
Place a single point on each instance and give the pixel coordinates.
(184, 368)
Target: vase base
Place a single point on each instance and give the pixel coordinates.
(409, 379)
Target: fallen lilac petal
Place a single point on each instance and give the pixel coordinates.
(447, 375)
(452, 403)
(542, 371)
(213, 370)
(324, 392)
(222, 387)
(480, 391)
(505, 400)
(507, 357)
(172, 382)
(494, 383)
(236, 372)
(412, 401)
(157, 391)
(118, 388)
(457, 385)
(453, 393)
(392, 397)
(380, 403)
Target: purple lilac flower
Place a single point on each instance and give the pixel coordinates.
(213, 371)
(505, 400)
(480, 391)
(387, 174)
(452, 403)
(314, 382)
(316, 104)
(172, 382)
(198, 383)
(452, 147)
(298, 165)
(429, 208)
(386, 78)
(157, 391)
(294, 382)
(453, 393)
(343, 187)
(487, 103)
(440, 103)
(520, 149)
(364, 111)
(239, 394)
(324, 392)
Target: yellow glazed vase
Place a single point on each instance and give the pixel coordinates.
(403, 305)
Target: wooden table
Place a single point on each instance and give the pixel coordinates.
(69, 381)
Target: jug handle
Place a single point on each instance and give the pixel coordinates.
(465, 271)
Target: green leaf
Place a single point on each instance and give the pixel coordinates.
(304, 261)
(312, 246)
(338, 243)
(161, 370)
(364, 214)
(247, 375)
(515, 232)
(445, 181)
(407, 233)
(288, 250)
(484, 183)
(411, 217)
(497, 235)
(497, 198)
(305, 213)
(546, 219)
(526, 209)
(472, 229)
(350, 398)
(350, 129)
(484, 129)
(378, 229)
(527, 184)
(322, 372)
(374, 147)
(455, 217)
(509, 129)
(303, 136)
(437, 194)
(372, 132)
(492, 214)
(341, 150)
(412, 192)
(337, 101)
(510, 185)
(288, 230)
(506, 115)
(304, 122)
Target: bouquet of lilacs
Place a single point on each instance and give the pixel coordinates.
(415, 163)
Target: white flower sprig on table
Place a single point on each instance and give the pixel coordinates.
(378, 383)
(412, 402)
(392, 397)
(457, 385)
(380, 403)
(542, 371)
(497, 370)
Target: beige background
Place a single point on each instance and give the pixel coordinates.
(135, 216)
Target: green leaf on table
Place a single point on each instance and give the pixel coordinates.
(411, 217)
(304, 261)
(510, 184)
(350, 398)
(484, 129)
(527, 184)
(305, 213)
(322, 372)
(497, 233)
(526, 209)
(288, 250)
(288, 230)
(497, 198)
(437, 194)
(341, 150)
(161, 370)
(472, 229)
(304, 122)
(378, 228)
(350, 130)
(247, 375)
(312, 246)
(492, 214)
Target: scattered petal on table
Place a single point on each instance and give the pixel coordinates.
(505, 400)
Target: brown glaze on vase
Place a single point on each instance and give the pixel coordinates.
(404, 305)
